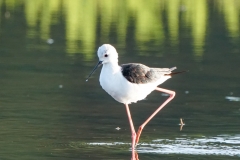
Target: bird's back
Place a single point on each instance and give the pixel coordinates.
(141, 74)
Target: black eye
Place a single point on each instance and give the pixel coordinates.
(105, 55)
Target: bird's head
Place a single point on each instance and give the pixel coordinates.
(107, 53)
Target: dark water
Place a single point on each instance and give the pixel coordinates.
(48, 47)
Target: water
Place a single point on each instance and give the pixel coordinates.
(49, 111)
(220, 145)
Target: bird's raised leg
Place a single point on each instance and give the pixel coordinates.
(172, 94)
(132, 131)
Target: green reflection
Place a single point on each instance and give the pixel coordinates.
(230, 10)
(11, 4)
(199, 26)
(154, 22)
(81, 20)
(149, 24)
(173, 7)
(195, 19)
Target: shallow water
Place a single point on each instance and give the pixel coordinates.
(48, 48)
(227, 145)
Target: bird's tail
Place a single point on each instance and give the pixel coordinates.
(171, 69)
(173, 73)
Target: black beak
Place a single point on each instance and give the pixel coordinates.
(98, 64)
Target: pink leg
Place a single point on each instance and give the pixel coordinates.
(136, 156)
(132, 130)
(172, 94)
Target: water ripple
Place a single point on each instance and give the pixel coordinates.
(228, 145)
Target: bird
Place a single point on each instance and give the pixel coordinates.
(131, 82)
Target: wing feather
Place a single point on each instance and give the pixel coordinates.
(141, 74)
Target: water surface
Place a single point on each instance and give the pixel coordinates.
(47, 49)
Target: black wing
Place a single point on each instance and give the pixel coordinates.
(140, 74)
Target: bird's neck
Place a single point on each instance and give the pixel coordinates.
(112, 67)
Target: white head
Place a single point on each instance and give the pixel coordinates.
(107, 53)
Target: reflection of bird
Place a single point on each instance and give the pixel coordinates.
(131, 82)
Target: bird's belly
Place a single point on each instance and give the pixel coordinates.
(125, 92)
